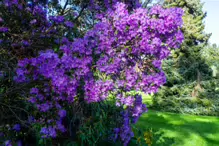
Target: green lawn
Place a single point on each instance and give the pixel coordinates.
(179, 129)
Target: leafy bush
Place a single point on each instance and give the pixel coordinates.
(178, 99)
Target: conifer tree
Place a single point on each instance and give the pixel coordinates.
(187, 59)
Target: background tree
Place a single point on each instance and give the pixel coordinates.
(189, 69)
(188, 65)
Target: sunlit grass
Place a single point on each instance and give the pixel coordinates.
(180, 129)
(147, 99)
(185, 130)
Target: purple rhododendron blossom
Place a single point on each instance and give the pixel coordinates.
(25, 43)
(33, 21)
(69, 24)
(3, 29)
(44, 131)
(34, 91)
(17, 127)
(62, 113)
(8, 143)
(1, 20)
(19, 143)
(57, 19)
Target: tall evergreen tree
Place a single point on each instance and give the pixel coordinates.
(186, 68)
(187, 59)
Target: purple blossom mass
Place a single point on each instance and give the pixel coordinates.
(123, 52)
(48, 132)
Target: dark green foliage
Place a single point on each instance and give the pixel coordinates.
(187, 61)
(191, 71)
(176, 96)
(95, 129)
(13, 110)
(179, 99)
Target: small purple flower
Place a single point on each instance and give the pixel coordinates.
(3, 29)
(64, 40)
(33, 21)
(1, 74)
(32, 100)
(58, 106)
(120, 83)
(40, 97)
(44, 107)
(118, 104)
(60, 19)
(25, 43)
(52, 132)
(69, 24)
(57, 41)
(19, 143)
(116, 130)
(17, 127)
(8, 143)
(157, 42)
(157, 64)
(57, 19)
(179, 36)
(20, 72)
(34, 91)
(48, 132)
(62, 113)
(144, 107)
(129, 101)
(44, 131)
(1, 134)
(30, 119)
(60, 127)
(23, 63)
(75, 14)
(1, 20)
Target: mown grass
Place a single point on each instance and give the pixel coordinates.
(179, 129)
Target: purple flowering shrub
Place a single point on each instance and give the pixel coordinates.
(123, 52)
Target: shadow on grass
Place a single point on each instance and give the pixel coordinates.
(180, 130)
(159, 139)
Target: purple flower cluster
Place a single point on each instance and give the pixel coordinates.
(48, 132)
(17, 127)
(122, 53)
(35, 28)
(97, 90)
(108, 4)
(3, 29)
(135, 108)
(8, 143)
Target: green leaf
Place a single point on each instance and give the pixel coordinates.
(41, 141)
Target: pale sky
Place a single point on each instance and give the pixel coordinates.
(212, 19)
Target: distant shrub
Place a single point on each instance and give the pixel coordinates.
(178, 99)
